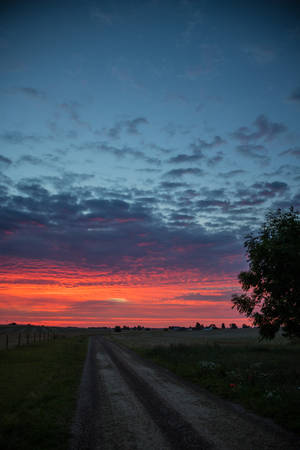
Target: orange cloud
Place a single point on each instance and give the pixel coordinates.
(59, 294)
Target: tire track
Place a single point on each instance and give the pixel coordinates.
(127, 403)
(179, 432)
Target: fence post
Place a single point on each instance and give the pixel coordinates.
(27, 339)
(34, 338)
(7, 342)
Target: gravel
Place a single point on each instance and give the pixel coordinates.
(127, 403)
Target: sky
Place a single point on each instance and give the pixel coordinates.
(140, 142)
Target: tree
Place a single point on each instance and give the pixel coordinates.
(272, 283)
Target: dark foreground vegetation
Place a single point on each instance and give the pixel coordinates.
(265, 379)
(38, 388)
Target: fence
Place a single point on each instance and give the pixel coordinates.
(15, 338)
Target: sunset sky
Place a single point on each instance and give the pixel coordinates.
(140, 141)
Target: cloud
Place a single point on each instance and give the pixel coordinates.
(5, 161)
(117, 300)
(71, 109)
(271, 189)
(17, 137)
(181, 172)
(232, 173)
(263, 129)
(30, 160)
(31, 92)
(197, 147)
(172, 185)
(295, 95)
(88, 229)
(215, 159)
(130, 126)
(212, 204)
(200, 296)
(294, 151)
(259, 193)
(252, 150)
(185, 158)
(119, 152)
(200, 144)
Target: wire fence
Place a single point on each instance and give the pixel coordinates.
(10, 338)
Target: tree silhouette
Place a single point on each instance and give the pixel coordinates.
(272, 284)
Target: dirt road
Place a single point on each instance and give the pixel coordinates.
(127, 403)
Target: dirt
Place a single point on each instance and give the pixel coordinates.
(128, 403)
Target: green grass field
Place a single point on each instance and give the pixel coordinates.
(38, 388)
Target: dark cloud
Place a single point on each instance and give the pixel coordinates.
(194, 296)
(133, 125)
(160, 149)
(86, 229)
(197, 148)
(295, 95)
(172, 185)
(171, 129)
(178, 173)
(259, 193)
(262, 128)
(185, 158)
(232, 173)
(17, 137)
(31, 92)
(119, 152)
(130, 126)
(71, 108)
(215, 159)
(148, 170)
(5, 161)
(294, 151)
(252, 150)
(200, 144)
(30, 159)
(271, 189)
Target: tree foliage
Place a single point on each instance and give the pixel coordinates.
(272, 283)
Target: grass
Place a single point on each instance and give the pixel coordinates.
(263, 378)
(38, 388)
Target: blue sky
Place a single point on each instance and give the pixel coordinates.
(169, 120)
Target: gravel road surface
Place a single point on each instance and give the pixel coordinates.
(127, 403)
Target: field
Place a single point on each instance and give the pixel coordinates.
(39, 380)
(38, 390)
(262, 376)
(14, 335)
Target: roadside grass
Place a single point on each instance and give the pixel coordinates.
(263, 378)
(38, 389)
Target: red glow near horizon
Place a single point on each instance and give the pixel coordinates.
(65, 295)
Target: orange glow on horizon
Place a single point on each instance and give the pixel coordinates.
(58, 294)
